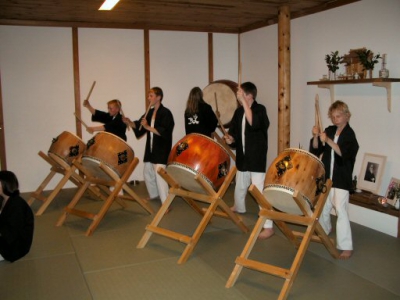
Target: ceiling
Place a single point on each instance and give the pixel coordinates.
(222, 16)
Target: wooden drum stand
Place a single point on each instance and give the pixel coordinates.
(216, 207)
(300, 240)
(116, 183)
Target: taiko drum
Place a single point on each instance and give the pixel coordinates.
(198, 154)
(294, 169)
(111, 151)
(66, 147)
(222, 93)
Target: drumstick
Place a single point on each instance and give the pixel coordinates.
(217, 115)
(318, 121)
(145, 115)
(80, 120)
(122, 113)
(91, 89)
(216, 102)
(239, 63)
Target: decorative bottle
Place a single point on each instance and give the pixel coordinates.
(383, 72)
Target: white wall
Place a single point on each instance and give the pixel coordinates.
(38, 98)
(366, 23)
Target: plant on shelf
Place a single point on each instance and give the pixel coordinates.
(367, 59)
(332, 61)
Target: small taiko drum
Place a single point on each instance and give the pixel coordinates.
(111, 151)
(294, 169)
(221, 95)
(66, 147)
(198, 154)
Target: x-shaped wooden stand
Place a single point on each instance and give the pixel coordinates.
(300, 240)
(115, 182)
(216, 207)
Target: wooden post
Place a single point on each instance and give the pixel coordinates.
(146, 64)
(283, 78)
(210, 58)
(77, 86)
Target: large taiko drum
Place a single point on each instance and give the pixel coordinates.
(198, 154)
(225, 93)
(111, 151)
(294, 169)
(65, 148)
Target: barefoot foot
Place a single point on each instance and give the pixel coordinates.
(346, 254)
(266, 233)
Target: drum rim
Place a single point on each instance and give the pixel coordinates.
(79, 138)
(113, 135)
(305, 152)
(288, 188)
(51, 154)
(92, 158)
(205, 136)
(194, 172)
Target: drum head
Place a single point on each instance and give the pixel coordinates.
(281, 198)
(185, 177)
(92, 165)
(225, 93)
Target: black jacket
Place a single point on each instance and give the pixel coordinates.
(162, 144)
(16, 229)
(343, 165)
(256, 139)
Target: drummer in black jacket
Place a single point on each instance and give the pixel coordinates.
(199, 116)
(248, 132)
(157, 124)
(112, 119)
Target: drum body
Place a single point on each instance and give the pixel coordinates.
(110, 150)
(66, 147)
(225, 92)
(293, 169)
(198, 154)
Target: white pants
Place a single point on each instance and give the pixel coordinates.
(338, 199)
(243, 182)
(155, 184)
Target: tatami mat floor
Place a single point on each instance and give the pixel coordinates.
(66, 264)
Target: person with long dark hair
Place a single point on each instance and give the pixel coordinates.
(16, 220)
(199, 116)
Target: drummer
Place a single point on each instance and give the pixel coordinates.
(157, 124)
(112, 119)
(199, 116)
(248, 132)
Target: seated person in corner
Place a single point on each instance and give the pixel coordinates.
(16, 220)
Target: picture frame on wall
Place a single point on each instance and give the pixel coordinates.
(371, 172)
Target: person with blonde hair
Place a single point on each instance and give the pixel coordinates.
(112, 120)
(338, 146)
(157, 124)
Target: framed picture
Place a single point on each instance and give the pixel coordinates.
(393, 186)
(371, 172)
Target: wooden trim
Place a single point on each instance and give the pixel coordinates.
(77, 85)
(3, 161)
(210, 58)
(146, 64)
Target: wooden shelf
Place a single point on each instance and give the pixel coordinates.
(379, 82)
(369, 200)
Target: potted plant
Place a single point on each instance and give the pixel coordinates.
(332, 61)
(368, 60)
